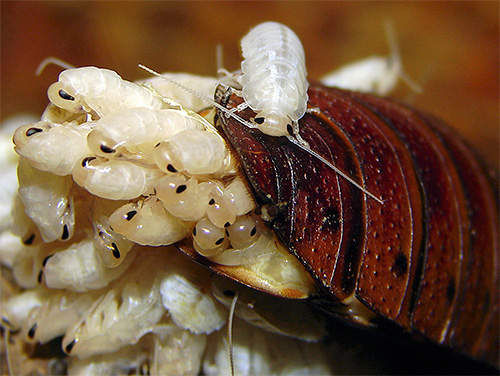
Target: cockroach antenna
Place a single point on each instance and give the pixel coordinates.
(298, 142)
(199, 95)
(336, 169)
(52, 60)
(230, 331)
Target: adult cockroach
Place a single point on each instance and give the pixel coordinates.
(426, 258)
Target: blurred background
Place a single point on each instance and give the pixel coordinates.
(451, 48)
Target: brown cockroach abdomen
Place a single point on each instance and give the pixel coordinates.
(427, 257)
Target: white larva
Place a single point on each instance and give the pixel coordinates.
(177, 352)
(194, 152)
(111, 246)
(78, 268)
(243, 232)
(59, 310)
(184, 197)
(139, 129)
(114, 179)
(99, 92)
(274, 77)
(53, 148)
(209, 240)
(378, 75)
(16, 310)
(148, 223)
(124, 313)
(47, 201)
(187, 295)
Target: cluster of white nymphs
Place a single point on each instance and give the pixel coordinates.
(112, 173)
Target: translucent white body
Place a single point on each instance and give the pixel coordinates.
(99, 91)
(47, 201)
(274, 77)
(194, 152)
(52, 148)
(148, 223)
(114, 179)
(140, 129)
(78, 268)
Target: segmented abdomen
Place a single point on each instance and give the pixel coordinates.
(427, 258)
(274, 71)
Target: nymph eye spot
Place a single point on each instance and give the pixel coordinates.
(171, 168)
(31, 332)
(85, 161)
(219, 241)
(289, 129)
(29, 240)
(181, 188)
(130, 215)
(64, 95)
(70, 346)
(106, 149)
(65, 234)
(259, 120)
(31, 131)
(116, 251)
(211, 202)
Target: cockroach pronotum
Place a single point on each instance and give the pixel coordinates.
(426, 258)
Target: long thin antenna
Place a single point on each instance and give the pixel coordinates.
(199, 95)
(230, 331)
(392, 38)
(336, 169)
(52, 60)
(250, 125)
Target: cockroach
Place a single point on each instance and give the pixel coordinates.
(426, 259)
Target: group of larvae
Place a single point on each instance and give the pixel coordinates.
(110, 178)
(112, 174)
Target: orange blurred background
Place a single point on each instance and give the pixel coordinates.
(451, 48)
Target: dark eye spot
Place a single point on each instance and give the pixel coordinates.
(259, 120)
(64, 95)
(171, 168)
(65, 234)
(32, 131)
(116, 251)
(70, 346)
(85, 161)
(289, 129)
(29, 240)
(211, 202)
(253, 232)
(181, 188)
(219, 241)
(158, 144)
(131, 215)
(107, 149)
(31, 333)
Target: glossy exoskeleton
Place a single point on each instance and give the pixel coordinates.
(427, 257)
